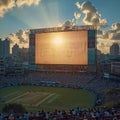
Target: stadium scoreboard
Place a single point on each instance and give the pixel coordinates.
(66, 47)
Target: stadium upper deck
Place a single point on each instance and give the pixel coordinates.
(65, 28)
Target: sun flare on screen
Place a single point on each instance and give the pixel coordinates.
(62, 48)
(58, 40)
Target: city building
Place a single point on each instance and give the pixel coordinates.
(1, 48)
(4, 48)
(20, 54)
(2, 66)
(115, 68)
(114, 49)
(15, 50)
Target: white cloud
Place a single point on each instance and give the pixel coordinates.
(112, 34)
(102, 34)
(20, 3)
(104, 47)
(21, 38)
(92, 16)
(116, 26)
(78, 5)
(77, 15)
(6, 5)
(13, 38)
(68, 24)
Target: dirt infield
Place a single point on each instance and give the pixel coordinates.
(32, 98)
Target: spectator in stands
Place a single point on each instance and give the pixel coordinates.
(11, 117)
(1, 118)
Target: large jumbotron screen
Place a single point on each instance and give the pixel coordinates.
(70, 47)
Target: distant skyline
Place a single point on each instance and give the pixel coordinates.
(18, 16)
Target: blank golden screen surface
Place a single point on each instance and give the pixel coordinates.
(62, 48)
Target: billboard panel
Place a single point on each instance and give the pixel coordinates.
(70, 47)
(32, 48)
(91, 56)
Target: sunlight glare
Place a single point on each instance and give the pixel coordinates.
(58, 41)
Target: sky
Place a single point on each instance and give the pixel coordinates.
(18, 16)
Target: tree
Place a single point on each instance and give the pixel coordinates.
(13, 108)
(112, 97)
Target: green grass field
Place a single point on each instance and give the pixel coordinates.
(36, 98)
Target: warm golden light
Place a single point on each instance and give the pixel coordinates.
(58, 40)
(62, 48)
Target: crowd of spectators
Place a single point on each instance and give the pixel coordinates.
(73, 114)
(89, 81)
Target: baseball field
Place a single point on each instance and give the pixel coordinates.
(36, 98)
